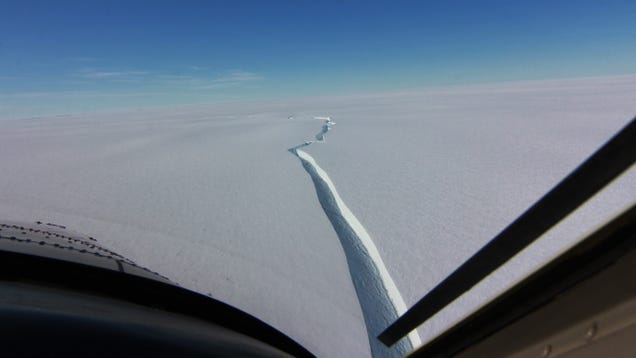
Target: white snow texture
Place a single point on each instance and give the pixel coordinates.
(208, 195)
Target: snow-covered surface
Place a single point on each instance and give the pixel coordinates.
(434, 174)
(210, 197)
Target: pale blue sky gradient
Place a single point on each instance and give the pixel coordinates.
(73, 56)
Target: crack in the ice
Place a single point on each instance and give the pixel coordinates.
(379, 298)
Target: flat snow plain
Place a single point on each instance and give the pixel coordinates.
(209, 196)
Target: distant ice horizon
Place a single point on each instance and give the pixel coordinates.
(22, 113)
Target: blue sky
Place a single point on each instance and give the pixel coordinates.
(72, 56)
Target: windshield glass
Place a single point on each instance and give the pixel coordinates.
(319, 165)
